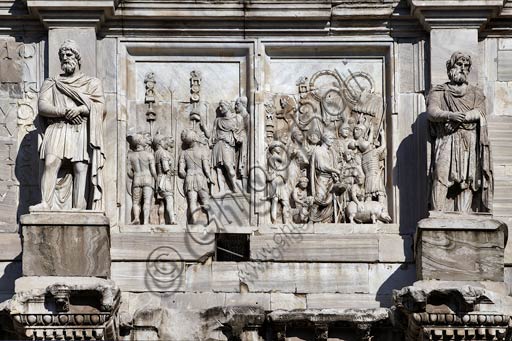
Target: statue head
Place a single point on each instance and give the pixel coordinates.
(297, 136)
(314, 137)
(169, 142)
(344, 130)
(458, 67)
(224, 108)
(69, 55)
(159, 141)
(189, 137)
(303, 182)
(136, 141)
(241, 104)
(328, 138)
(348, 155)
(359, 130)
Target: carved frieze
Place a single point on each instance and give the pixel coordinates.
(187, 151)
(327, 151)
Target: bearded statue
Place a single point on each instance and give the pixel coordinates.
(72, 107)
(461, 167)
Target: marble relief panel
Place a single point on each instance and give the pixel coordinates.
(325, 136)
(187, 142)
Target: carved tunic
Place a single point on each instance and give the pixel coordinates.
(192, 161)
(278, 174)
(321, 162)
(164, 165)
(226, 133)
(371, 164)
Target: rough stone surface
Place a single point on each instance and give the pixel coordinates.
(76, 246)
(458, 247)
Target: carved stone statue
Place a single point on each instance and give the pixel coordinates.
(225, 136)
(372, 163)
(194, 167)
(72, 105)
(142, 171)
(165, 171)
(278, 189)
(302, 201)
(323, 176)
(461, 174)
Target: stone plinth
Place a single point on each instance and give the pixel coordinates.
(72, 243)
(456, 247)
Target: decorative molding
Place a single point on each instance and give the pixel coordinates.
(77, 14)
(455, 14)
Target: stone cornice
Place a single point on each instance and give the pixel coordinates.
(455, 13)
(71, 13)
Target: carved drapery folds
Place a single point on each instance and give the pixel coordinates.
(461, 170)
(326, 155)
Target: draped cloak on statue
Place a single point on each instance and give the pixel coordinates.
(462, 152)
(77, 142)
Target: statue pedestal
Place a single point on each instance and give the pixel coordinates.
(66, 243)
(460, 294)
(460, 247)
(60, 296)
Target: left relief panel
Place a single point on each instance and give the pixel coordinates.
(188, 136)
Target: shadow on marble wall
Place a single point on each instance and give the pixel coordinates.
(411, 174)
(9, 274)
(404, 275)
(27, 170)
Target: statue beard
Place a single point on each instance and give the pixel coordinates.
(457, 77)
(68, 66)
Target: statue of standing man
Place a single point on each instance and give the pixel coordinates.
(73, 108)
(462, 178)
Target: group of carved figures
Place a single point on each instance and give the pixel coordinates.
(221, 151)
(326, 149)
(326, 169)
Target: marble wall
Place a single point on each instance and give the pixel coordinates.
(265, 51)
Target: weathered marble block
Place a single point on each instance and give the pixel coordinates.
(457, 247)
(72, 243)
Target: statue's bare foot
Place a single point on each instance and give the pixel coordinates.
(43, 206)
